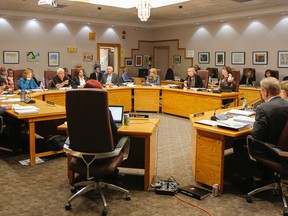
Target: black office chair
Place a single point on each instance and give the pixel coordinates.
(276, 161)
(91, 143)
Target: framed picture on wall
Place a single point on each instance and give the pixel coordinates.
(128, 62)
(53, 59)
(283, 59)
(11, 57)
(238, 58)
(177, 59)
(87, 56)
(203, 57)
(138, 60)
(220, 58)
(260, 58)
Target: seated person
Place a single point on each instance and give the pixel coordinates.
(66, 73)
(193, 80)
(110, 78)
(284, 90)
(153, 78)
(125, 75)
(9, 79)
(227, 78)
(79, 79)
(247, 78)
(96, 75)
(268, 73)
(95, 84)
(2, 88)
(26, 82)
(60, 80)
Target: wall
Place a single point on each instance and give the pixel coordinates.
(268, 34)
(48, 36)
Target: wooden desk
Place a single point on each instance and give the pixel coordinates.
(208, 147)
(142, 149)
(46, 112)
(250, 93)
(146, 98)
(184, 102)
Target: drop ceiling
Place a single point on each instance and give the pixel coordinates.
(193, 11)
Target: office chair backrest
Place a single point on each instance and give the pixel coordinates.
(88, 120)
(283, 139)
(48, 76)
(275, 73)
(236, 82)
(204, 74)
(213, 72)
(169, 74)
(18, 73)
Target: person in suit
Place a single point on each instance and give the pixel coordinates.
(153, 78)
(60, 80)
(27, 82)
(193, 80)
(96, 75)
(79, 79)
(271, 116)
(110, 78)
(95, 84)
(247, 78)
(284, 89)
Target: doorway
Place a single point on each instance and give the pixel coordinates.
(161, 60)
(108, 54)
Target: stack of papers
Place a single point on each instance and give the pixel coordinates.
(244, 119)
(230, 123)
(25, 109)
(241, 112)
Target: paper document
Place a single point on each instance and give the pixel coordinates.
(240, 112)
(230, 123)
(12, 100)
(244, 119)
(207, 122)
(24, 109)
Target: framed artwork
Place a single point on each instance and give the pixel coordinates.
(53, 59)
(33, 56)
(11, 57)
(87, 56)
(138, 60)
(219, 58)
(283, 59)
(260, 58)
(238, 58)
(128, 62)
(177, 59)
(203, 57)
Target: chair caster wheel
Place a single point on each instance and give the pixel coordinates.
(128, 197)
(249, 199)
(73, 190)
(68, 206)
(104, 212)
(285, 212)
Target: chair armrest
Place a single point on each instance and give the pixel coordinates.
(270, 148)
(124, 142)
(1, 124)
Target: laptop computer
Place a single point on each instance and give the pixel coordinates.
(117, 114)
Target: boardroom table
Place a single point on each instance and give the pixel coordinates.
(142, 154)
(209, 147)
(46, 112)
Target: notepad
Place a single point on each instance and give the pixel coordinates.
(20, 110)
(241, 112)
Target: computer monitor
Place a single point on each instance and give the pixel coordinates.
(142, 72)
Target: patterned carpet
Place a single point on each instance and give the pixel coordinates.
(44, 189)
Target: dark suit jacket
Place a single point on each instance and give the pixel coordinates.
(198, 82)
(93, 76)
(115, 79)
(76, 81)
(270, 120)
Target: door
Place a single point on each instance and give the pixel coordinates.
(109, 55)
(162, 60)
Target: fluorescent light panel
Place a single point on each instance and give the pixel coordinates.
(127, 4)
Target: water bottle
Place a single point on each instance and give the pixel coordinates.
(247, 82)
(245, 104)
(22, 95)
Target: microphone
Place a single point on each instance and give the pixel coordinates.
(223, 116)
(70, 80)
(52, 81)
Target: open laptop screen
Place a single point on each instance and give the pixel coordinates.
(117, 114)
